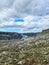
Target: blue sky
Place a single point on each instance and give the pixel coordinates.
(18, 20)
(24, 15)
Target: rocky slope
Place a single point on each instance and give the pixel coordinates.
(32, 50)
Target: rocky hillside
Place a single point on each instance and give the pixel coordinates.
(30, 50)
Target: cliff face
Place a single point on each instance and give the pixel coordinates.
(9, 35)
(45, 31)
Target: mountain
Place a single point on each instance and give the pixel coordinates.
(32, 49)
(14, 35)
(9, 35)
(30, 34)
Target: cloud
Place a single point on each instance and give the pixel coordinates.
(22, 8)
(29, 25)
(35, 14)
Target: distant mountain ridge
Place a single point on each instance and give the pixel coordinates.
(30, 34)
(14, 35)
(9, 35)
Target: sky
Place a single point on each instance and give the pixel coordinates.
(24, 16)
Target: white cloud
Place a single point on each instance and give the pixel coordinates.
(34, 12)
(22, 8)
(29, 25)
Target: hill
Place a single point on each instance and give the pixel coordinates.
(9, 35)
(33, 50)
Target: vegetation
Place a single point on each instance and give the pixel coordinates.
(29, 51)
